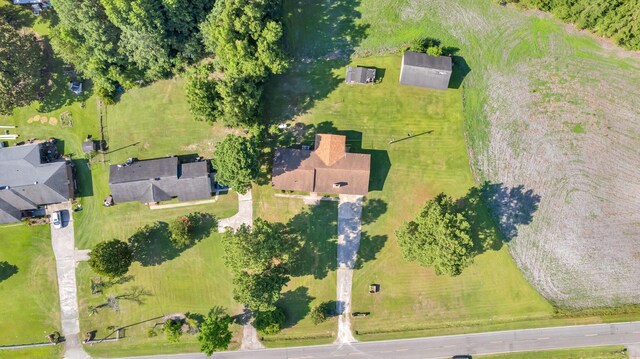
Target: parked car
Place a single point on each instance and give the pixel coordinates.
(461, 357)
(56, 219)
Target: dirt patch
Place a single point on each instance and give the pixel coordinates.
(43, 119)
(53, 121)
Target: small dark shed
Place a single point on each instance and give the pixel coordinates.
(89, 146)
(426, 71)
(360, 75)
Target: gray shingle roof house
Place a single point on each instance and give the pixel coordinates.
(27, 181)
(360, 75)
(326, 169)
(426, 71)
(160, 179)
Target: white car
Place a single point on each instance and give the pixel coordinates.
(56, 220)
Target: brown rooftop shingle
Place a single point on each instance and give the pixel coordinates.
(310, 171)
(330, 148)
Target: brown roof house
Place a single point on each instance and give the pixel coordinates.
(326, 169)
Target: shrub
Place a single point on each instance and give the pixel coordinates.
(322, 312)
(270, 322)
(151, 333)
(172, 330)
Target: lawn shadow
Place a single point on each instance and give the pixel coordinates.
(370, 246)
(295, 304)
(319, 37)
(460, 70)
(83, 178)
(495, 212)
(372, 210)
(7, 270)
(151, 245)
(318, 226)
(57, 93)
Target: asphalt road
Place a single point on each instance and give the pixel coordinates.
(446, 346)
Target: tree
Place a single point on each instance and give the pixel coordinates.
(236, 160)
(111, 258)
(21, 64)
(259, 258)
(322, 312)
(181, 230)
(214, 332)
(172, 329)
(427, 46)
(245, 35)
(438, 237)
(239, 100)
(434, 51)
(202, 93)
(270, 322)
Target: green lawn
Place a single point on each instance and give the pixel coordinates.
(609, 352)
(29, 304)
(48, 352)
(194, 281)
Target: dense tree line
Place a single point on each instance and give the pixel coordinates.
(124, 42)
(618, 19)
(245, 37)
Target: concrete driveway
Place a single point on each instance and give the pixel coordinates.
(349, 226)
(63, 242)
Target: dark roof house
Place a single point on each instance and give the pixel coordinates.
(426, 71)
(29, 180)
(360, 75)
(159, 180)
(326, 169)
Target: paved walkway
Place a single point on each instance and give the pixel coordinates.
(62, 240)
(250, 340)
(244, 215)
(183, 204)
(310, 199)
(349, 225)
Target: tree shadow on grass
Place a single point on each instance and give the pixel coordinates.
(152, 245)
(7, 270)
(369, 248)
(83, 177)
(320, 37)
(318, 226)
(295, 304)
(372, 210)
(495, 212)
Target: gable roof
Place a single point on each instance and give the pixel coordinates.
(327, 169)
(159, 180)
(426, 71)
(26, 182)
(417, 59)
(361, 75)
(330, 148)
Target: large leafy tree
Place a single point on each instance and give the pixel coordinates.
(236, 160)
(245, 35)
(111, 258)
(202, 94)
(214, 332)
(259, 258)
(439, 237)
(21, 64)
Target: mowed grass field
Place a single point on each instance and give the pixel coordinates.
(29, 304)
(609, 352)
